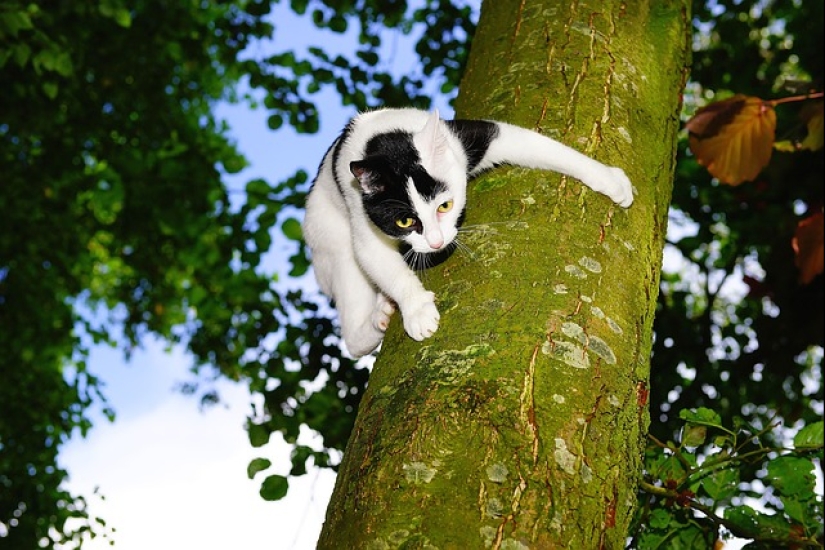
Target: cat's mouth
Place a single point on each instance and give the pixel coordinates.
(420, 261)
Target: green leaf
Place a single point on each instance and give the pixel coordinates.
(703, 416)
(114, 10)
(275, 121)
(694, 435)
(809, 437)
(258, 188)
(338, 24)
(234, 164)
(299, 6)
(274, 487)
(660, 518)
(300, 455)
(722, 484)
(795, 509)
(257, 465)
(692, 537)
(258, 435)
(744, 519)
(792, 476)
(123, 18)
(50, 89)
(13, 22)
(368, 57)
(292, 229)
(21, 53)
(672, 469)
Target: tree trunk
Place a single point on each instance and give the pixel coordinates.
(522, 422)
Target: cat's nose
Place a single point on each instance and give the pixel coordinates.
(435, 241)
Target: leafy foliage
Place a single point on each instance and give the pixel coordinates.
(689, 482)
(739, 329)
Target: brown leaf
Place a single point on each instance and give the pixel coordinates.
(809, 245)
(733, 138)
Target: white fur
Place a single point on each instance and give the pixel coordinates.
(359, 267)
(522, 147)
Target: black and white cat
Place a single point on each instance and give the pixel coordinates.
(395, 182)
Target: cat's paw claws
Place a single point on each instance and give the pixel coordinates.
(421, 321)
(620, 188)
(384, 308)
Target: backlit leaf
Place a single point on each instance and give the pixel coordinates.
(722, 484)
(694, 435)
(809, 437)
(793, 476)
(809, 247)
(813, 114)
(702, 415)
(733, 139)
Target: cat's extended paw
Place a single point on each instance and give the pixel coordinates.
(618, 187)
(384, 308)
(421, 320)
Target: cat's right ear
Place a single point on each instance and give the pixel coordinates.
(367, 176)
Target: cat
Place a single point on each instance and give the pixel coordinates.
(392, 189)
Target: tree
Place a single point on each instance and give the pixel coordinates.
(521, 422)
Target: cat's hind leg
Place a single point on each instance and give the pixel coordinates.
(364, 313)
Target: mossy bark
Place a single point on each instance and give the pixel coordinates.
(521, 423)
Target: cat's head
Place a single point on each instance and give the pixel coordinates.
(413, 187)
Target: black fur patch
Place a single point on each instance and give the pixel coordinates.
(392, 160)
(336, 154)
(476, 137)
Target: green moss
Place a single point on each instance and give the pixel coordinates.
(489, 182)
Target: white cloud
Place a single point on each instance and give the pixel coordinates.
(175, 478)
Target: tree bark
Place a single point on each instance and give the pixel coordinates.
(522, 422)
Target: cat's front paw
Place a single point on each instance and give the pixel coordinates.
(421, 320)
(618, 187)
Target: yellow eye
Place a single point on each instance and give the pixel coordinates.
(405, 223)
(445, 206)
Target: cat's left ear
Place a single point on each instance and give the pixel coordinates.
(367, 175)
(432, 140)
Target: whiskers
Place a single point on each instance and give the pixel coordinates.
(469, 236)
(463, 249)
(476, 234)
(418, 261)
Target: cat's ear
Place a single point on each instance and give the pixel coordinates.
(367, 175)
(432, 140)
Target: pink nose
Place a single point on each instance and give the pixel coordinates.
(435, 241)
